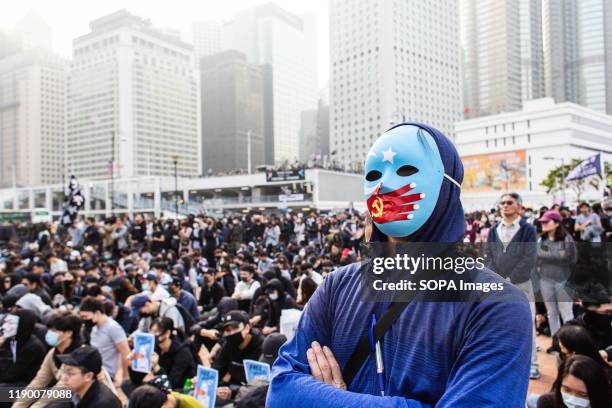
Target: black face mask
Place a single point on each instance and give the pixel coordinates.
(89, 323)
(234, 340)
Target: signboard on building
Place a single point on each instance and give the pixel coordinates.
(495, 172)
(285, 175)
(285, 198)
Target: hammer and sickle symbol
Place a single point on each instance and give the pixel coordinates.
(377, 205)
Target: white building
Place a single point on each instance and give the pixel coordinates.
(133, 98)
(285, 43)
(301, 191)
(391, 61)
(528, 143)
(206, 36)
(578, 52)
(32, 108)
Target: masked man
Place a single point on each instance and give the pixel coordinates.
(443, 354)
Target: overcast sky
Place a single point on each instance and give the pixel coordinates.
(70, 18)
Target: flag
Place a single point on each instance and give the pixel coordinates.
(586, 168)
(73, 203)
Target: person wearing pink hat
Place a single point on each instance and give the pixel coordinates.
(556, 254)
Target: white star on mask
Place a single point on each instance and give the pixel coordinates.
(388, 155)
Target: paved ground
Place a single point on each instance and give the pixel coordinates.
(548, 368)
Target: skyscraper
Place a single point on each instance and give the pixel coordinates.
(286, 45)
(133, 99)
(532, 51)
(491, 47)
(32, 104)
(232, 112)
(578, 52)
(390, 61)
(206, 37)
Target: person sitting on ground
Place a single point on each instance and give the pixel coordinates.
(174, 355)
(149, 309)
(21, 353)
(241, 342)
(155, 395)
(580, 383)
(79, 374)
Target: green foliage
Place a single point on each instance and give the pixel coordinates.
(554, 180)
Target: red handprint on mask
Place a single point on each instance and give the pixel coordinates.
(394, 205)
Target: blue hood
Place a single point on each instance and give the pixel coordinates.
(446, 223)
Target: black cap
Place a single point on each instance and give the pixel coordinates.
(270, 347)
(84, 356)
(234, 317)
(151, 277)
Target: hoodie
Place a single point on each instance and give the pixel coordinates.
(30, 352)
(167, 308)
(445, 354)
(34, 303)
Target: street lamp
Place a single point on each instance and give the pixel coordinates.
(249, 151)
(563, 175)
(176, 203)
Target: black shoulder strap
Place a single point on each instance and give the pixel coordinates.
(363, 349)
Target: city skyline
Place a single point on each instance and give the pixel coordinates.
(65, 27)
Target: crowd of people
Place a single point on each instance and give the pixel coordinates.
(213, 292)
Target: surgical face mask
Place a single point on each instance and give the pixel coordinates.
(403, 177)
(146, 287)
(9, 327)
(571, 401)
(52, 338)
(273, 296)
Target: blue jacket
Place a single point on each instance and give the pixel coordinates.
(518, 259)
(443, 354)
(190, 304)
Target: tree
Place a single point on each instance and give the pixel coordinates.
(554, 180)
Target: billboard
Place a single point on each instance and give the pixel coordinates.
(495, 172)
(285, 175)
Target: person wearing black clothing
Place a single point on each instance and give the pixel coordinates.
(258, 230)
(21, 353)
(174, 356)
(157, 239)
(581, 382)
(91, 235)
(288, 286)
(63, 335)
(279, 300)
(34, 283)
(568, 221)
(241, 342)
(132, 277)
(205, 332)
(210, 239)
(138, 232)
(226, 278)
(80, 371)
(211, 292)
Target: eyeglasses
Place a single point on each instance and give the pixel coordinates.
(509, 202)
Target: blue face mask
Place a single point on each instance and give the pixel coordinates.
(146, 287)
(52, 338)
(403, 176)
(571, 401)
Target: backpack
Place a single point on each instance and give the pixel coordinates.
(187, 318)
